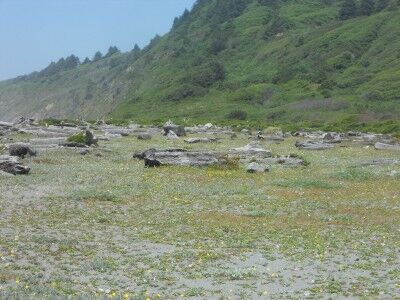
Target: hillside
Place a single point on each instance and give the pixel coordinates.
(291, 63)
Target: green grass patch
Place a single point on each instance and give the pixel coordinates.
(306, 183)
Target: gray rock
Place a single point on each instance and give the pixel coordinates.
(73, 145)
(142, 155)
(171, 127)
(144, 136)
(256, 168)
(21, 150)
(11, 165)
(171, 135)
(251, 150)
(179, 157)
(332, 137)
(201, 140)
(372, 138)
(313, 145)
(383, 146)
(6, 124)
(89, 138)
(84, 152)
(120, 131)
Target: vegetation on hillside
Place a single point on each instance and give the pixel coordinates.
(318, 63)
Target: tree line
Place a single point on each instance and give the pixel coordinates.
(351, 8)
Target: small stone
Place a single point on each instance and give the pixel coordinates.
(144, 136)
(84, 152)
(256, 168)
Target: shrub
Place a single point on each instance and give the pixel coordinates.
(185, 91)
(207, 74)
(237, 115)
(342, 61)
(77, 138)
(372, 96)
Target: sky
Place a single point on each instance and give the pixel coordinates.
(35, 32)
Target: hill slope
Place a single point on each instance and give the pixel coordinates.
(266, 61)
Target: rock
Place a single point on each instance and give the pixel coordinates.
(144, 136)
(332, 137)
(180, 157)
(73, 145)
(382, 146)
(251, 150)
(84, 152)
(6, 124)
(105, 138)
(120, 131)
(171, 135)
(372, 138)
(89, 138)
(111, 136)
(21, 150)
(313, 145)
(354, 133)
(245, 131)
(171, 127)
(142, 155)
(201, 140)
(256, 168)
(11, 165)
(233, 136)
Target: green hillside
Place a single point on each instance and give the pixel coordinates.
(262, 62)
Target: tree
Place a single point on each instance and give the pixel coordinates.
(382, 4)
(136, 49)
(367, 7)
(112, 50)
(97, 56)
(348, 10)
(86, 61)
(71, 62)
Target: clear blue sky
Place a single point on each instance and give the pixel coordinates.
(35, 32)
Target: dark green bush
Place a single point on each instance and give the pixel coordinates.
(237, 115)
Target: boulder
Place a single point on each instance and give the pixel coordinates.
(251, 150)
(6, 124)
(120, 131)
(11, 165)
(179, 157)
(313, 145)
(171, 135)
(332, 137)
(73, 145)
(171, 127)
(21, 150)
(201, 140)
(256, 168)
(383, 146)
(372, 138)
(89, 138)
(144, 136)
(84, 152)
